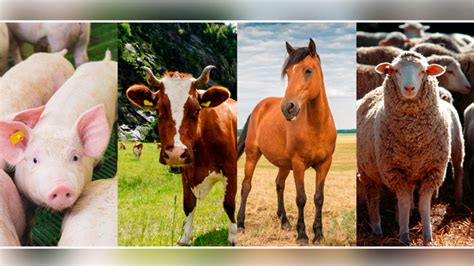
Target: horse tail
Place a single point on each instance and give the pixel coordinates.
(241, 141)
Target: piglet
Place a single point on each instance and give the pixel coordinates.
(4, 45)
(12, 214)
(93, 219)
(51, 37)
(31, 84)
(54, 159)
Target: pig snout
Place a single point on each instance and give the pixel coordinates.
(61, 197)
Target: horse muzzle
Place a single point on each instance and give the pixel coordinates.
(290, 110)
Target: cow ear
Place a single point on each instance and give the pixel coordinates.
(435, 70)
(14, 137)
(142, 96)
(93, 131)
(29, 117)
(214, 96)
(384, 68)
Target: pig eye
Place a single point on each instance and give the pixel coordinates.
(75, 158)
(35, 161)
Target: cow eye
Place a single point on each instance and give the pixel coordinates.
(196, 112)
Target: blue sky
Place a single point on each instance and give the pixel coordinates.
(262, 51)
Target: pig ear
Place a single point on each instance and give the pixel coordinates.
(435, 70)
(14, 137)
(29, 117)
(93, 131)
(384, 68)
(214, 96)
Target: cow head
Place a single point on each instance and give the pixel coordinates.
(178, 104)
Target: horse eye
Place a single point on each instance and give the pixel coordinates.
(308, 71)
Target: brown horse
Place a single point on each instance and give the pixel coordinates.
(294, 133)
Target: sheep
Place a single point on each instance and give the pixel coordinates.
(368, 79)
(376, 55)
(442, 39)
(469, 143)
(428, 49)
(396, 123)
(365, 39)
(457, 148)
(414, 29)
(445, 95)
(396, 39)
(453, 79)
(462, 39)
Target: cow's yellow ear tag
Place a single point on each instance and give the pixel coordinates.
(147, 103)
(206, 104)
(17, 137)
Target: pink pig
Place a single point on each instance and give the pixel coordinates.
(55, 157)
(12, 214)
(31, 84)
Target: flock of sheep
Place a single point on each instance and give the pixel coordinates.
(411, 88)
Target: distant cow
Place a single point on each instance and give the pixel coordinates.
(122, 146)
(197, 131)
(137, 149)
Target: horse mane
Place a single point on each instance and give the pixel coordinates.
(294, 58)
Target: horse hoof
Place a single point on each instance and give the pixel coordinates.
(286, 226)
(240, 225)
(302, 241)
(317, 238)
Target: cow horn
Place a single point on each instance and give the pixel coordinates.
(204, 77)
(150, 78)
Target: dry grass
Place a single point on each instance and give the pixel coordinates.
(339, 225)
(452, 225)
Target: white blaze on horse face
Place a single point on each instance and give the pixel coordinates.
(177, 90)
(409, 78)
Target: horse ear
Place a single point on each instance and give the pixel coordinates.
(289, 48)
(312, 47)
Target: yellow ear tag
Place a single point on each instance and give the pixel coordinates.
(206, 104)
(17, 137)
(147, 103)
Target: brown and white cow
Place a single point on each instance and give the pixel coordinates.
(137, 149)
(198, 132)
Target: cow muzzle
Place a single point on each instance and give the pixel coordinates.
(290, 110)
(177, 156)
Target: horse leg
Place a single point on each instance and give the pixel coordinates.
(321, 173)
(229, 205)
(280, 188)
(250, 163)
(298, 172)
(189, 203)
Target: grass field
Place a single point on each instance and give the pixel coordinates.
(151, 212)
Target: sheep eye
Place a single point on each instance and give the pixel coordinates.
(308, 71)
(35, 161)
(449, 72)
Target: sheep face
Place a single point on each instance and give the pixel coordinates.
(409, 75)
(454, 79)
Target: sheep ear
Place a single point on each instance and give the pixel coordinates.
(384, 68)
(435, 70)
